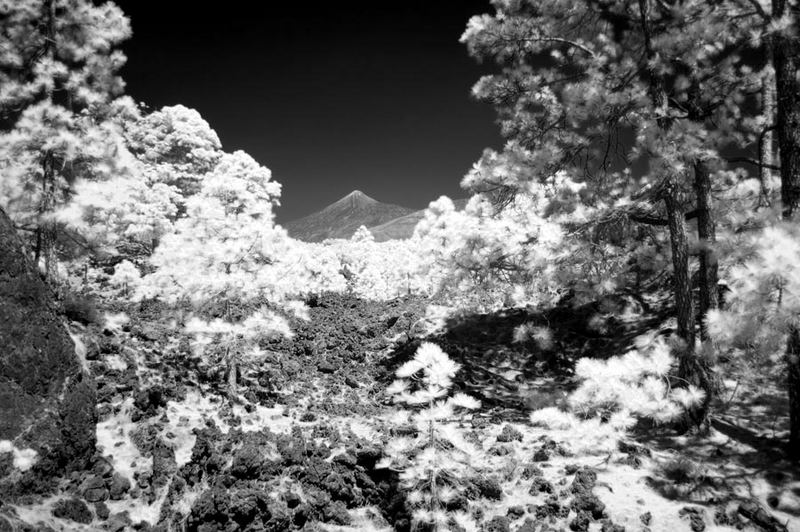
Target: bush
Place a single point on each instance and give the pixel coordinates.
(680, 470)
(436, 459)
(615, 394)
(126, 277)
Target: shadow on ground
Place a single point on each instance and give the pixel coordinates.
(742, 457)
(514, 377)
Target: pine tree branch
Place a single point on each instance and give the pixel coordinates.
(574, 44)
(748, 160)
(559, 40)
(759, 9)
(642, 215)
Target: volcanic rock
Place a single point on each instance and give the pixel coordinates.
(47, 399)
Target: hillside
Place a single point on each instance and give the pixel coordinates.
(342, 218)
(403, 227)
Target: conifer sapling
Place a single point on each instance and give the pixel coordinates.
(432, 463)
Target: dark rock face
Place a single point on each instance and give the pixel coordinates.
(696, 517)
(119, 487)
(237, 496)
(47, 402)
(509, 434)
(540, 485)
(94, 489)
(488, 488)
(74, 510)
(498, 524)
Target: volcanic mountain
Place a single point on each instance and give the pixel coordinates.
(403, 227)
(342, 218)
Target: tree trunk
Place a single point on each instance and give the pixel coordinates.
(785, 52)
(45, 230)
(232, 377)
(680, 263)
(785, 57)
(766, 158)
(691, 368)
(706, 232)
(676, 217)
(37, 247)
(793, 384)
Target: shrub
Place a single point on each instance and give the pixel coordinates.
(126, 277)
(435, 459)
(615, 393)
(680, 470)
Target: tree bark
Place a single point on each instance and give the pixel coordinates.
(47, 229)
(691, 368)
(766, 157)
(706, 232)
(785, 58)
(680, 264)
(793, 385)
(233, 387)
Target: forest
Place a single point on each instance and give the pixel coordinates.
(606, 337)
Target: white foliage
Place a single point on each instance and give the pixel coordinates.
(371, 269)
(432, 462)
(613, 393)
(486, 256)
(542, 335)
(554, 418)
(227, 252)
(176, 146)
(50, 145)
(22, 459)
(224, 244)
(764, 298)
(634, 382)
(126, 276)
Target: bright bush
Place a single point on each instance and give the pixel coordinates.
(434, 463)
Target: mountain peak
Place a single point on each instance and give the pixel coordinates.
(342, 218)
(357, 195)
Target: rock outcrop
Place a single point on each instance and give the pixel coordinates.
(47, 400)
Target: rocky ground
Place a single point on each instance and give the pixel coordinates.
(297, 448)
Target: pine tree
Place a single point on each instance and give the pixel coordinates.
(786, 60)
(165, 156)
(761, 283)
(433, 464)
(220, 258)
(177, 147)
(58, 84)
(636, 100)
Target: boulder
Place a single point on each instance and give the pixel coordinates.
(509, 434)
(73, 510)
(94, 489)
(47, 398)
(497, 523)
(119, 487)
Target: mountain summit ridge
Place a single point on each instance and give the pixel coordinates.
(353, 200)
(343, 217)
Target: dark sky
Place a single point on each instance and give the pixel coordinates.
(331, 96)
